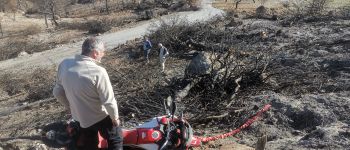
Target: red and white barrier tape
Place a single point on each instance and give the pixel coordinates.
(233, 132)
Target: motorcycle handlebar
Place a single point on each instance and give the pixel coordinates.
(167, 138)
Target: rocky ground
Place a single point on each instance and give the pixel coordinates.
(303, 73)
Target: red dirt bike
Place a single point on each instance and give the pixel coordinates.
(159, 133)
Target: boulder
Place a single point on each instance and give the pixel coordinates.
(22, 53)
(260, 11)
(201, 64)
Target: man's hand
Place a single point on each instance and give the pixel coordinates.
(116, 122)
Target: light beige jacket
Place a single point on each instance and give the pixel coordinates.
(85, 88)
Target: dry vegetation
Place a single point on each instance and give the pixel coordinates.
(49, 23)
(248, 61)
(211, 94)
(37, 85)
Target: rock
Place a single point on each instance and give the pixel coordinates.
(331, 13)
(41, 147)
(262, 25)
(263, 35)
(200, 65)
(22, 144)
(325, 31)
(260, 11)
(234, 23)
(274, 17)
(147, 14)
(175, 6)
(22, 53)
(186, 7)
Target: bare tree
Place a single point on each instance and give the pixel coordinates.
(19, 4)
(106, 3)
(12, 6)
(238, 1)
(51, 8)
(43, 5)
(2, 33)
(2, 6)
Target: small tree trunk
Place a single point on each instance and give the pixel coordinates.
(47, 25)
(53, 14)
(94, 3)
(237, 2)
(106, 2)
(19, 4)
(14, 15)
(123, 4)
(54, 20)
(2, 33)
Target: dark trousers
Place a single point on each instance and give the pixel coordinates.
(113, 135)
(146, 53)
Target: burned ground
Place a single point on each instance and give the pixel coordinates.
(300, 68)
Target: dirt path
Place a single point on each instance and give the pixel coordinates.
(53, 56)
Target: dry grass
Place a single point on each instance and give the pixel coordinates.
(245, 5)
(99, 24)
(11, 84)
(11, 47)
(38, 84)
(31, 29)
(249, 6)
(62, 37)
(21, 26)
(41, 83)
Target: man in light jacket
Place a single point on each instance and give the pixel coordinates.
(163, 53)
(84, 88)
